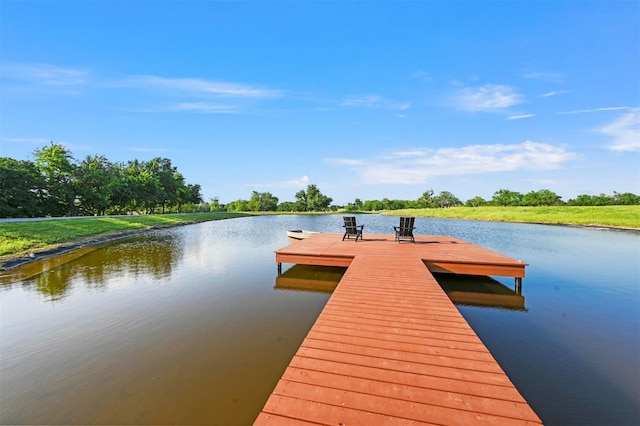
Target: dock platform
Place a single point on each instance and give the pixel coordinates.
(390, 347)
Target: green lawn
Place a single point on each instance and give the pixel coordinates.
(613, 216)
(21, 237)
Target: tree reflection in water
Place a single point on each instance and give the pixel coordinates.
(154, 255)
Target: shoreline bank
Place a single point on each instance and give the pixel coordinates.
(10, 262)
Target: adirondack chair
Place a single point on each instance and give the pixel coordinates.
(405, 230)
(351, 229)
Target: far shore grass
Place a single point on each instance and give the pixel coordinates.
(626, 217)
(18, 238)
(21, 238)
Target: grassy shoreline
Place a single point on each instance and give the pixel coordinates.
(19, 240)
(619, 217)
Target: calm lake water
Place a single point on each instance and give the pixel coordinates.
(187, 326)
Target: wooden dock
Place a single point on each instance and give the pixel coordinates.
(390, 347)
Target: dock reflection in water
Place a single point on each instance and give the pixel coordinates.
(481, 291)
(468, 290)
(322, 279)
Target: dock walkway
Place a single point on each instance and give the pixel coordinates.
(389, 346)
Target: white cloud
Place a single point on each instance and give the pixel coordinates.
(303, 181)
(197, 107)
(403, 168)
(197, 86)
(374, 101)
(44, 74)
(548, 76)
(625, 132)
(554, 93)
(421, 75)
(519, 117)
(583, 111)
(206, 108)
(490, 97)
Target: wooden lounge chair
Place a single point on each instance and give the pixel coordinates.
(351, 229)
(405, 230)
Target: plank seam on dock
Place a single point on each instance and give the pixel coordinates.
(422, 355)
(514, 404)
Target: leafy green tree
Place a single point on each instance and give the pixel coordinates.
(289, 206)
(215, 206)
(475, 202)
(357, 203)
(121, 190)
(372, 205)
(182, 193)
(426, 200)
(94, 175)
(446, 199)
(543, 197)
(195, 194)
(238, 206)
(164, 172)
(56, 165)
(262, 202)
(591, 200)
(626, 198)
(144, 187)
(20, 189)
(312, 199)
(505, 197)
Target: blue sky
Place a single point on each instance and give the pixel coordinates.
(363, 99)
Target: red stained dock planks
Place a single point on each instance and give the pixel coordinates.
(390, 347)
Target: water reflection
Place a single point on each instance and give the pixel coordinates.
(323, 279)
(153, 256)
(481, 291)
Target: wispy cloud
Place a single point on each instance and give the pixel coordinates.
(420, 164)
(199, 107)
(490, 97)
(583, 111)
(554, 93)
(625, 132)
(421, 75)
(547, 76)
(44, 74)
(520, 117)
(374, 101)
(206, 108)
(197, 86)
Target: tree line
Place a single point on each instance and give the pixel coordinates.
(502, 197)
(307, 200)
(55, 184)
(312, 199)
